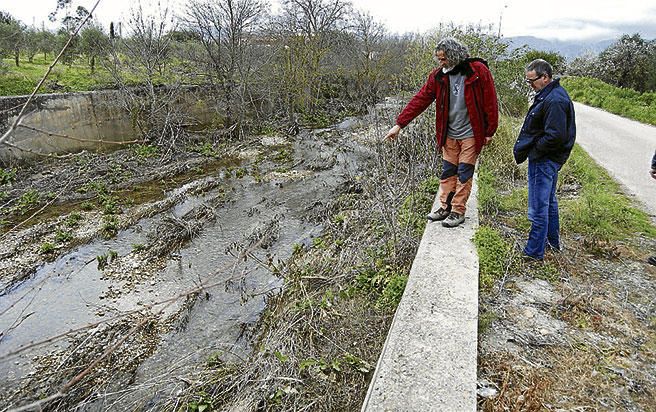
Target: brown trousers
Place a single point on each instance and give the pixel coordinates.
(459, 158)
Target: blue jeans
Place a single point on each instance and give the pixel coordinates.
(542, 207)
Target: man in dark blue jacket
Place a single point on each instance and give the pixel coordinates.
(546, 140)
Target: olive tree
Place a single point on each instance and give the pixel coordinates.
(628, 63)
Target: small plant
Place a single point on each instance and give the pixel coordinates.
(47, 248)
(62, 236)
(206, 149)
(102, 261)
(113, 255)
(96, 186)
(144, 151)
(109, 228)
(73, 219)
(7, 176)
(493, 255)
(87, 205)
(27, 201)
(297, 248)
(319, 243)
(138, 247)
(284, 156)
(239, 173)
(109, 204)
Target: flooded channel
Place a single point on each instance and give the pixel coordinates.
(243, 230)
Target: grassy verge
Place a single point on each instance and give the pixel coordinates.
(544, 325)
(77, 77)
(624, 102)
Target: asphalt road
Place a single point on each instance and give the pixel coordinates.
(624, 147)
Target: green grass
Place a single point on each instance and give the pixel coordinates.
(624, 102)
(494, 254)
(601, 212)
(78, 77)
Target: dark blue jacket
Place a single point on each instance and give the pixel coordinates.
(549, 129)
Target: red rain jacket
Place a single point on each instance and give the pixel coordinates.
(480, 97)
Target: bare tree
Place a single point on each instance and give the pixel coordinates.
(371, 57)
(141, 58)
(227, 30)
(309, 27)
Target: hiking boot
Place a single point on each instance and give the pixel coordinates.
(453, 220)
(652, 260)
(439, 214)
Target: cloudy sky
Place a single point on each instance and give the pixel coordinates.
(554, 19)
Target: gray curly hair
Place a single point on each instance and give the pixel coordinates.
(454, 51)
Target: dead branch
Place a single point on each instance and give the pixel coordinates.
(78, 139)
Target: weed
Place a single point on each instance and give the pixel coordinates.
(547, 272)
(96, 186)
(113, 255)
(73, 220)
(239, 173)
(393, 291)
(417, 204)
(206, 149)
(485, 320)
(385, 283)
(87, 205)
(62, 236)
(102, 261)
(284, 155)
(493, 255)
(109, 227)
(109, 204)
(144, 151)
(7, 176)
(319, 243)
(47, 248)
(138, 247)
(27, 201)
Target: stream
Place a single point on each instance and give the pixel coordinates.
(267, 217)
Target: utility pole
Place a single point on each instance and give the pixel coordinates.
(505, 6)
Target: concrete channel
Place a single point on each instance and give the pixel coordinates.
(428, 362)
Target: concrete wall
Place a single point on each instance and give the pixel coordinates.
(97, 116)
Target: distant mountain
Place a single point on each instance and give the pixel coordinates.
(569, 49)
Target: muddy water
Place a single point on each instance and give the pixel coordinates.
(72, 291)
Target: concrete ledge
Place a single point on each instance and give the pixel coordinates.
(429, 360)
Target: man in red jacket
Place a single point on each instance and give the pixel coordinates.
(466, 118)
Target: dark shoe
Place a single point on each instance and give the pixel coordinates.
(454, 219)
(439, 214)
(652, 260)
